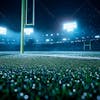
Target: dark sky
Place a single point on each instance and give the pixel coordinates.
(50, 14)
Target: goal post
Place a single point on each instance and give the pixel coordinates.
(24, 20)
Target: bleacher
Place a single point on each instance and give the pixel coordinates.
(59, 43)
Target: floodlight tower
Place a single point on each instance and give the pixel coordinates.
(24, 21)
(70, 27)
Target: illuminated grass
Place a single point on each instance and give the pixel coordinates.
(26, 77)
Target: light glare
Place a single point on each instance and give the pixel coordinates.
(70, 26)
(97, 36)
(3, 31)
(47, 40)
(28, 31)
(64, 39)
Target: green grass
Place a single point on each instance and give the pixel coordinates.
(43, 78)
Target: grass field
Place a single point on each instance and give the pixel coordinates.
(32, 77)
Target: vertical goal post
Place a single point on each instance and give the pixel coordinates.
(24, 20)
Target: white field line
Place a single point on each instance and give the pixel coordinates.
(54, 55)
(73, 55)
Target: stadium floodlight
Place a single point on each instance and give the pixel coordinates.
(3, 31)
(70, 27)
(57, 34)
(52, 40)
(47, 40)
(46, 35)
(37, 40)
(97, 36)
(51, 34)
(28, 31)
(64, 39)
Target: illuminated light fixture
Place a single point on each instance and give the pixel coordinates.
(51, 34)
(47, 40)
(37, 40)
(47, 35)
(97, 36)
(28, 31)
(3, 31)
(64, 39)
(70, 27)
(51, 39)
(57, 34)
(83, 37)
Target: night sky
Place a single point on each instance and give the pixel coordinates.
(50, 14)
